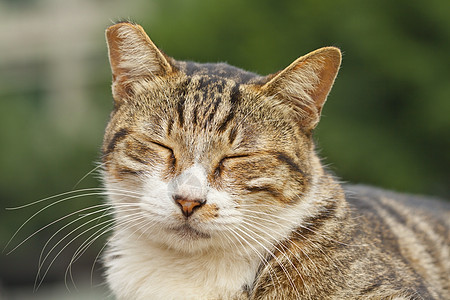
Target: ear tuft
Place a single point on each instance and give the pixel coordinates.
(132, 54)
(304, 85)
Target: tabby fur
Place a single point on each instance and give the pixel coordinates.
(218, 192)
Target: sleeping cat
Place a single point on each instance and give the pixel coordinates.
(220, 194)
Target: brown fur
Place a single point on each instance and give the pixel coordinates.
(355, 242)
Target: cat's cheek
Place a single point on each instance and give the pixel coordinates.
(208, 213)
(157, 192)
(121, 193)
(221, 212)
(221, 199)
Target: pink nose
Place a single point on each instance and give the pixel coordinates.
(188, 206)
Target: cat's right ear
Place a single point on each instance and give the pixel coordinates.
(133, 56)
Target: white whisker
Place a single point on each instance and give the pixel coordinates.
(260, 256)
(48, 206)
(89, 173)
(286, 272)
(93, 237)
(63, 248)
(81, 226)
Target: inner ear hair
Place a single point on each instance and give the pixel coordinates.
(305, 84)
(132, 55)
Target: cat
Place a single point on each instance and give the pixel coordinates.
(218, 193)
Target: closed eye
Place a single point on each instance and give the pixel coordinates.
(221, 166)
(172, 154)
(140, 138)
(236, 156)
(163, 147)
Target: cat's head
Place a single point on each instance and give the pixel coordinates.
(208, 155)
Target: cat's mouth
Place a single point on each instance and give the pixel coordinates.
(187, 231)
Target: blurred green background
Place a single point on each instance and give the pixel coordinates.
(386, 122)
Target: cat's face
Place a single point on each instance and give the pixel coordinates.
(199, 156)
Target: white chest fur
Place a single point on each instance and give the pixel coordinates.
(139, 270)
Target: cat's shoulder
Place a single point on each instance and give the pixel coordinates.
(366, 198)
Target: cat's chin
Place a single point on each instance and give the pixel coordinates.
(189, 241)
(181, 238)
(186, 231)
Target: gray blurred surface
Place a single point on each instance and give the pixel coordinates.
(56, 292)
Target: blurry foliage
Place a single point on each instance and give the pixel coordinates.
(386, 121)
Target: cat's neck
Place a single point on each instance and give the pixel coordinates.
(138, 264)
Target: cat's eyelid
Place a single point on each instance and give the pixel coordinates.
(155, 143)
(161, 145)
(236, 156)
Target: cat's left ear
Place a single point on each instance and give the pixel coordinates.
(304, 85)
(133, 56)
